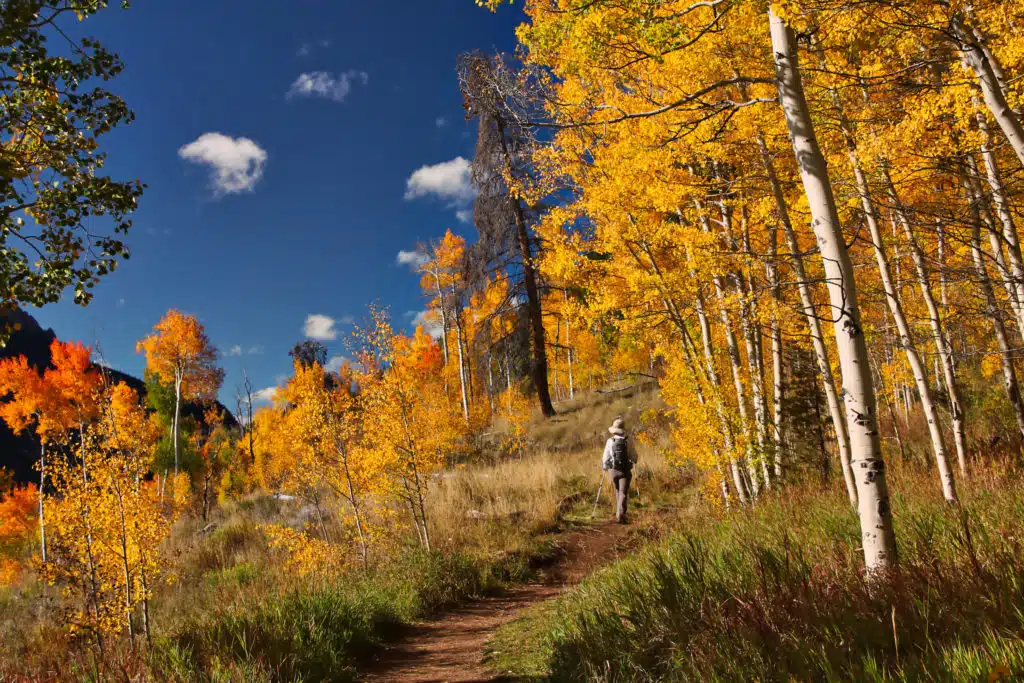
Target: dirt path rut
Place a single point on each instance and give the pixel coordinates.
(450, 647)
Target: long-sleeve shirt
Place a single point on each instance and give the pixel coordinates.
(609, 452)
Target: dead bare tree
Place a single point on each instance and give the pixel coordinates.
(498, 98)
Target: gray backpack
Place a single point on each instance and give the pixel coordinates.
(620, 455)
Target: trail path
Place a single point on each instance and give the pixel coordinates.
(450, 647)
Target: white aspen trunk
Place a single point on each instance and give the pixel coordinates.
(1010, 384)
(462, 362)
(778, 397)
(466, 342)
(422, 505)
(177, 416)
(354, 502)
(716, 385)
(878, 538)
(733, 352)
(754, 364)
(94, 586)
(553, 367)
(42, 486)
(940, 238)
(752, 339)
(1003, 210)
(444, 318)
(1005, 276)
(944, 354)
(897, 261)
(568, 352)
(490, 381)
(892, 409)
(126, 570)
(412, 511)
(691, 362)
(756, 384)
(980, 204)
(712, 372)
(894, 294)
(828, 382)
(508, 379)
(444, 328)
(975, 57)
(917, 366)
(771, 271)
(997, 68)
(462, 370)
(145, 605)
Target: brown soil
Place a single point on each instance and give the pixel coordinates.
(450, 647)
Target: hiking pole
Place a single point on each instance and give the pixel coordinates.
(597, 497)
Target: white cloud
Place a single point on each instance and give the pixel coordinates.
(465, 215)
(327, 85)
(334, 363)
(320, 327)
(238, 350)
(236, 164)
(307, 49)
(264, 395)
(429, 320)
(447, 180)
(440, 122)
(411, 258)
(347, 320)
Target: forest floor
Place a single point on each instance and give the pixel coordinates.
(451, 646)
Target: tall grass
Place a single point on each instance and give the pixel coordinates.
(777, 593)
(319, 631)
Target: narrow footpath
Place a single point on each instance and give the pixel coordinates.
(450, 647)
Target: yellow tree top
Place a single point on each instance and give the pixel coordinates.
(179, 351)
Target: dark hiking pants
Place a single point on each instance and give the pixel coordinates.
(620, 482)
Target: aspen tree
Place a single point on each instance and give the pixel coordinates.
(180, 353)
(879, 540)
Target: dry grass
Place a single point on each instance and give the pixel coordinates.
(583, 423)
(506, 507)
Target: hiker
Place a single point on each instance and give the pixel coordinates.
(619, 458)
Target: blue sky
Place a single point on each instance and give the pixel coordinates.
(292, 150)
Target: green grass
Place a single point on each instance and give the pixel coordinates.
(777, 593)
(319, 632)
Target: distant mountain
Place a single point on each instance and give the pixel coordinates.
(18, 453)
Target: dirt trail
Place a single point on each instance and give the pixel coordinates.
(450, 647)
